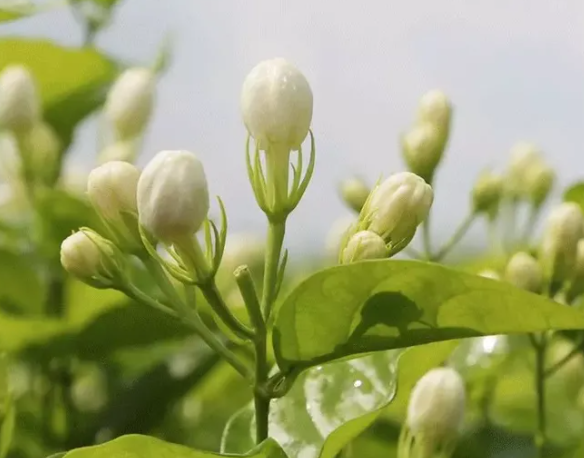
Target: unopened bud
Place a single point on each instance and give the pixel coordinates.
(396, 207)
(539, 181)
(435, 107)
(524, 156)
(173, 199)
(559, 246)
(436, 408)
(336, 235)
(45, 148)
(129, 103)
(364, 245)
(524, 272)
(123, 150)
(577, 280)
(489, 273)
(19, 103)
(276, 103)
(354, 192)
(422, 149)
(486, 193)
(88, 256)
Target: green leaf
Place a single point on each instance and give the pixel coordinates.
(136, 446)
(21, 290)
(9, 14)
(378, 305)
(575, 193)
(7, 428)
(325, 410)
(72, 82)
(58, 455)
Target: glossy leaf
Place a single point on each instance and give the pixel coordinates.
(136, 446)
(325, 410)
(575, 193)
(71, 87)
(379, 305)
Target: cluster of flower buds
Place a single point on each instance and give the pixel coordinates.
(424, 144)
(392, 213)
(528, 176)
(435, 415)
(276, 104)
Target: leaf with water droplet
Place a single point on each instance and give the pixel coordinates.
(326, 409)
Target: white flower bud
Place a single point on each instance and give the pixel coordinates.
(19, 103)
(354, 192)
(84, 255)
(487, 192)
(435, 107)
(364, 245)
(489, 273)
(173, 199)
(45, 147)
(129, 102)
(436, 408)
(337, 233)
(524, 272)
(397, 206)
(125, 150)
(111, 189)
(559, 246)
(422, 149)
(524, 155)
(539, 181)
(276, 102)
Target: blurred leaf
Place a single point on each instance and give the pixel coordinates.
(379, 305)
(7, 428)
(325, 410)
(58, 455)
(21, 290)
(575, 193)
(135, 446)
(72, 82)
(19, 333)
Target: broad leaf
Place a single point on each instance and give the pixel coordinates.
(21, 290)
(136, 446)
(379, 305)
(575, 193)
(326, 409)
(72, 82)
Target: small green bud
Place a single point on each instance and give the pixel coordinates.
(364, 245)
(172, 195)
(486, 193)
(524, 156)
(396, 208)
(20, 107)
(354, 192)
(422, 149)
(559, 246)
(524, 272)
(539, 181)
(435, 107)
(89, 257)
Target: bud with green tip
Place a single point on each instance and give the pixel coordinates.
(354, 192)
(90, 257)
(539, 181)
(276, 103)
(129, 102)
(362, 246)
(435, 107)
(19, 103)
(396, 208)
(559, 246)
(172, 196)
(524, 272)
(422, 149)
(435, 414)
(486, 193)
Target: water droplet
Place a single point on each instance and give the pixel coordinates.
(357, 383)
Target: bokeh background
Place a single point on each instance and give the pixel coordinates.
(514, 70)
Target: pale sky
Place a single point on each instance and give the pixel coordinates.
(513, 69)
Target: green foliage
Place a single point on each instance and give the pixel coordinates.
(379, 305)
(575, 193)
(136, 446)
(326, 409)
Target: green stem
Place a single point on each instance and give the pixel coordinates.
(426, 243)
(261, 398)
(530, 225)
(456, 237)
(191, 318)
(276, 232)
(540, 376)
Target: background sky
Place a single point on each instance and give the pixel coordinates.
(514, 70)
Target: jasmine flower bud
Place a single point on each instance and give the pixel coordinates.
(276, 102)
(524, 155)
(524, 272)
(396, 208)
(19, 103)
(172, 195)
(111, 189)
(486, 193)
(422, 149)
(88, 256)
(121, 150)
(354, 192)
(435, 107)
(539, 181)
(364, 245)
(129, 102)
